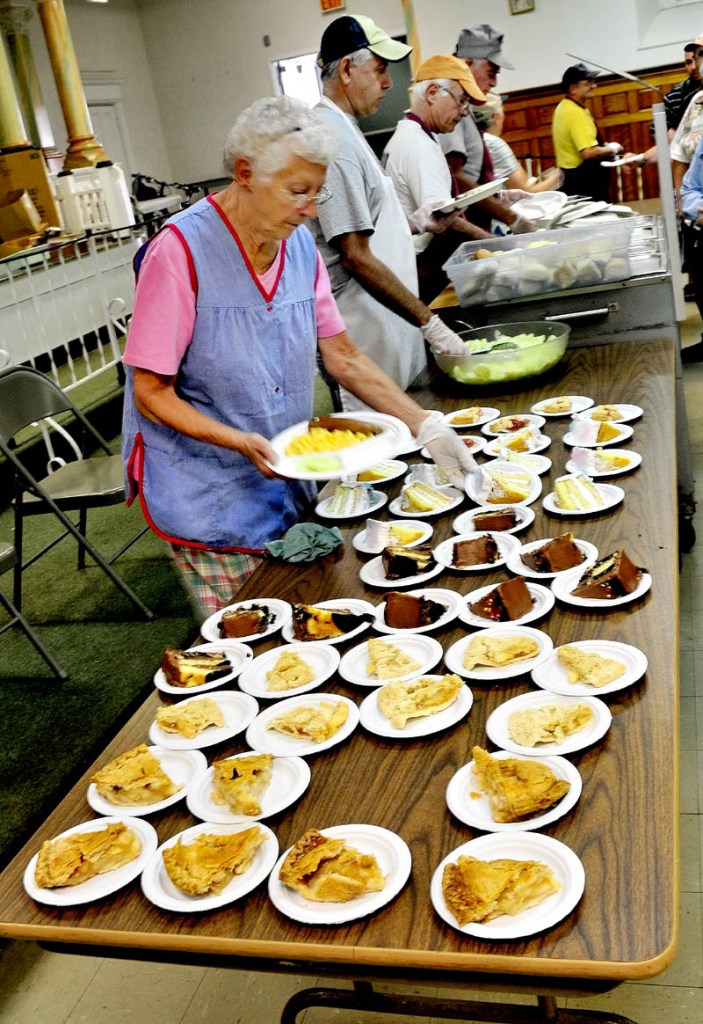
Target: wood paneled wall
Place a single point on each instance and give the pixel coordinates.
(622, 110)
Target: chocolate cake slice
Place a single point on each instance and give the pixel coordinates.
(239, 622)
(501, 519)
(506, 602)
(193, 668)
(400, 562)
(555, 555)
(610, 577)
(476, 551)
(405, 611)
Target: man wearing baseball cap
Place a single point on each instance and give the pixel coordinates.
(578, 145)
(480, 47)
(362, 231)
(442, 92)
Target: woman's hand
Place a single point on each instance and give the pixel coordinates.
(259, 451)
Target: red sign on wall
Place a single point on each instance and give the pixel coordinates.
(331, 5)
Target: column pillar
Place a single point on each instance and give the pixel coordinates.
(15, 16)
(84, 150)
(12, 131)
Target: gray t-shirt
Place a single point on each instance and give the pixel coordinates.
(466, 140)
(355, 179)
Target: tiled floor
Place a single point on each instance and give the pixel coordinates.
(48, 988)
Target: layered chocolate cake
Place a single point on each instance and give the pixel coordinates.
(611, 577)
(555, 555)
(400, 562)
(237, 622)
(476, 551)
(193, 668)
(501, 519)
(311, 623)
(404, 611)
(505, 603)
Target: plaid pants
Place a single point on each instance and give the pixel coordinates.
(212, 578)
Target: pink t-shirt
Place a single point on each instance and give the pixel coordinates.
(164, 306)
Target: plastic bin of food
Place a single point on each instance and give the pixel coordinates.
(516, 266)
(502, 352)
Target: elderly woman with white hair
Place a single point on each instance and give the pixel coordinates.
(490, 118)
(232, 305)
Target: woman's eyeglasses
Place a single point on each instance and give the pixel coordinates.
(302, 199)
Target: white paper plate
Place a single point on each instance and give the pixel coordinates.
(444, 552)
(487, 414)
(392, 856)
(566, 866)
(474, 484)
(351, 604)
(543, 602)
(238, 709)
(280, 609)
(372, 573)
(269, 741)
(374, 721)
(530, 419)
(624, 432)
(551, 674)
(473, 443)
(465, 522)
(424, 649)
(634, 459)
(474, 195)
(345, 461)
(565, 582)
(497, 723)
(471, 806)
(322, 659)
(449, 598)
(359, 539)
(181, 766)
(396, 506)
(238, 654)
(611, 495)
(290, 777)
(627, 412)
(578, 404)
(393, 468)
(378, 500)
(101, 885)
(160, 890)
(498, 451)
(538, 464)
(454, 655)
(516, 564)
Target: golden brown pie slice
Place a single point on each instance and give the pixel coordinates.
(495, 652)
(289, 672)
(386, 661)
(318, 722)
(417, 698)
(479, 891)
(70, 860)
(240, 782)
(517, 789)
(190, 719)
(550, 723)
(327, 870)
(135, 777)
(589, 667)
(210, 862)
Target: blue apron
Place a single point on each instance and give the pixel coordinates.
(250, 364)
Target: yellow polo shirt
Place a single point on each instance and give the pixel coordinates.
(573, 129)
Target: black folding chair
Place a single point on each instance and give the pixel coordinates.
(28, 396)
(8, 560)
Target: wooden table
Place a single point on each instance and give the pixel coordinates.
(624, 828)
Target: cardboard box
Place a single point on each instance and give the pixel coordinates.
(26, 169)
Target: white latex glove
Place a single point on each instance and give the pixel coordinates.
(614, 147)
(425, 219)
(442, 339)
(447, 449)
(521, 225)
(512, 195)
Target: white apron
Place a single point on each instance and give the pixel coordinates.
(393, 344)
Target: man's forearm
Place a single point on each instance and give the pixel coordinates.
(379, 281)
